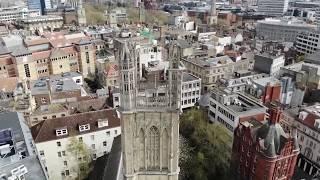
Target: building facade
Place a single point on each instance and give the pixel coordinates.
(95, 130)
(12, 14)
(150, 119)
(273, 7)
(268, 63)
(306, 120)
(308, 42)
(229, 108)
(210, 70)
(41, 23)
(190, 90)
(285, 30)
(264, 151)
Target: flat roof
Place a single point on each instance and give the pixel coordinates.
(35, 172)
(189, 77)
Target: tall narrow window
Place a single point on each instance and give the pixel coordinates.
(27, 70)
(165, 153)
(87, 57)
(141, 150)
(153, 149)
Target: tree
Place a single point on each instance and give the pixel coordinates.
(209, 146)
(81, 155)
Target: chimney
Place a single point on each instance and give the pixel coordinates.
(274, 115)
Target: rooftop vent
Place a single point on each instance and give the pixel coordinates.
(59, 88)
(60, 83)
(40, 84)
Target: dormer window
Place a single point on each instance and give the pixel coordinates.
(85, 127)
(102, 123)
(61, 132)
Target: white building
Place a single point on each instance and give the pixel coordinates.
(96, 130)
(229, 108)
(268, 63)
(15, 13)
(273, 7)
(308, 42)
(283, 29)
(307, 123)
(190, 90)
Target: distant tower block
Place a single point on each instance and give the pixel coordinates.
(213, 18)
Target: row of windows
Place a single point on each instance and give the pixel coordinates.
(42, 71)
(225, 124)
(189, 101)
(191, 93)
(226, 113)
(188, 86)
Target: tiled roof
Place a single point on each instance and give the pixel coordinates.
(112, 70)
(38, 41)
(8, 84)
(45, 130)
(69, 50)
(310, 120)
(41, 55)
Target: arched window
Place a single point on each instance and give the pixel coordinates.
(141, 150)
(153, 149)
(165, 149)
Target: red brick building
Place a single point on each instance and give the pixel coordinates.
(263, 151)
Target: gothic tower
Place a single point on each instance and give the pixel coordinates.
(149, 119)
(142, 16)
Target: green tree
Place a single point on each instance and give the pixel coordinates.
(95, 14)
(209, 146)
(80, 154)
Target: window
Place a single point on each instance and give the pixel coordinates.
(63, 153)
(63, 115)
(59, 144)
(65, 163)
(44, 117)
(63, 174)
(54, 116)
(84, 127)
(41, 153)
(94, 156)
(115, 132)
(153, 145)
(61, 132)
(104, 143)
(108, 133)
(43, 100)
(104, 152)
(86, 47)
(78, 81)
(92, 137)
(59, 154)
(67, 173)
(60, 66)
(93, 146)
(87, 57)
(27, 70)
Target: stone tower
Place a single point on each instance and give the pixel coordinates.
(212, 17)
(142, 16)
(149, 119)
(81, 14)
